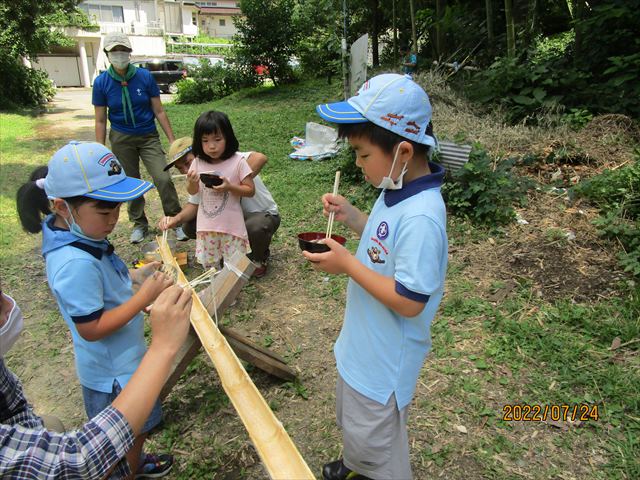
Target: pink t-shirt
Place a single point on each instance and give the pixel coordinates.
(221, 211)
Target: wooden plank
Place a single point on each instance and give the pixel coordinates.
(279, 454)
(262, 358)
(243, 338)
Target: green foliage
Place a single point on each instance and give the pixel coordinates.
(266, 37)
(577, 117)
(26, 30)
(596, 70)
(76, 18)
(485, 190)
(617, 194)
(319, 47)
(25, 26)
(23, 86)
(199, 46)
(210, 82)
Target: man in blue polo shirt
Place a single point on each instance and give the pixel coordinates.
(397, 274)
(131, 98)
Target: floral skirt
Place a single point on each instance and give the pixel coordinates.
(213, 247)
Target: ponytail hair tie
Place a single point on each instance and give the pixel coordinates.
(40, 183)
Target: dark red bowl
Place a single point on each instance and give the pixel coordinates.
(210, 179)
(306, 241)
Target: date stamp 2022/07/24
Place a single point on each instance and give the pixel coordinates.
(541, 413)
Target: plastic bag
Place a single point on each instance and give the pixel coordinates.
(320, 142)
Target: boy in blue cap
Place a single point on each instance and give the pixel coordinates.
(397, 274)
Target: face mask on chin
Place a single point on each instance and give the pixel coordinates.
(10, 331)
(119, 60)
(387, 182)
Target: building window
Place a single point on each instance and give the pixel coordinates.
(194, 19)
(222, 22)
(103, 13)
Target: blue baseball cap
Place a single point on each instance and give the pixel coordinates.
(90, 169)
(391, 101)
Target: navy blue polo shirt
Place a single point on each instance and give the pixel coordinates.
(107, 92)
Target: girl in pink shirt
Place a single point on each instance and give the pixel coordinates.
(220, 175)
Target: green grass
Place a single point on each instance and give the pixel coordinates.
(20, 152)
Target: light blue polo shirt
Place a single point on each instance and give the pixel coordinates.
(142, 87)
(378, 351)
(87, 278)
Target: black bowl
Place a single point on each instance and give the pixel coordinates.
(210, 179)
(308, 241)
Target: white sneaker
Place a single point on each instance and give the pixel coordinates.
(137, 235)
(180, 235)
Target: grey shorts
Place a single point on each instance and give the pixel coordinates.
(374, 436)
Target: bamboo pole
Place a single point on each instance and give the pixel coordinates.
(278, 453)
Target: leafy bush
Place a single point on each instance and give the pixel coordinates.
(596, 70)
(617, 194)
(265, 38)
(209, 82)
(485, 190)
(23, 86)
(319, 48)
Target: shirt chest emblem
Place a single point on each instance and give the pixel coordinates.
(382, 231)
(139, 91)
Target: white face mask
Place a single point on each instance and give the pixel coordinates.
(10, 331)
(387, 182)
(119, 60)
(75, 228)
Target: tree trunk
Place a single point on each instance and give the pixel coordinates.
(490, 30)
(395, 33)
(578, 17)
(414, 41)
(534, 8)
(375, 14)
(511, 31)
(440, 47)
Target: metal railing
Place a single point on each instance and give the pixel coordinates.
(131, 29)
(194, 48)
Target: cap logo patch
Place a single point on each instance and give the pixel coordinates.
(114, 168)
(107, 156)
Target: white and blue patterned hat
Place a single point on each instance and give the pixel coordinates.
(90, 169)
(391, 101)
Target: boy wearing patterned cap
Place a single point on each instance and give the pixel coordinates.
(396, 276)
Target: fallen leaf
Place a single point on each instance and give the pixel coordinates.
(616, 343)
(461, 428)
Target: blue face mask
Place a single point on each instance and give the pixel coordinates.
(75, 228)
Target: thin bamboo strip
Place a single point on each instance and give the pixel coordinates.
(279, 454)
(332, 214)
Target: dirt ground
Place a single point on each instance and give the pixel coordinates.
(299, 317)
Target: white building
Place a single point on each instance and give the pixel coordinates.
(144, 21)
(216, 17)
